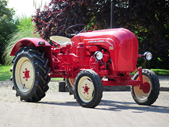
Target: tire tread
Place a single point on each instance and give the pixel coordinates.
(41, 74)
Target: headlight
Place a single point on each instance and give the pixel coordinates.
(98, 55)
(148, 55)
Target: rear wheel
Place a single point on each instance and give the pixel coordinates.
(70, 85)
(88, 88)
(147, 93)
(30, 74)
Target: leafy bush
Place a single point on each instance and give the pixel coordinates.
(25, 29)
(149, 20)
(60, 14)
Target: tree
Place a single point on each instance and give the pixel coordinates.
(25, 28)
(7, 25)
(60, 14)
(149, 20)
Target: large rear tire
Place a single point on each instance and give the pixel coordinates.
(147, 93)
(30, 74)
(88, 88)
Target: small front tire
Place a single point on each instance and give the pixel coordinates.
(88, 88)
(147, 93)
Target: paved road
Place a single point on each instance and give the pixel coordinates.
(57, 109)
(164, 82)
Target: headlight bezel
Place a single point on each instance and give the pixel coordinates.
(148, 55)
(98, 55)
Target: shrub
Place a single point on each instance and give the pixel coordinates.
(60, 14)
(25, 29)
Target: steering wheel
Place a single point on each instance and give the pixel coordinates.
(73, 30)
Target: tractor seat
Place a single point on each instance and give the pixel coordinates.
(62, 41)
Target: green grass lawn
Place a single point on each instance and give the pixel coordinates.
(5, 73)
(161, 72)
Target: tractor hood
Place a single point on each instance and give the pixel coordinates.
(121, 43)
(117, 34)
(107, 37)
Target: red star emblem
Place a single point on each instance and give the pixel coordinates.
(26, 72)
(86, 89)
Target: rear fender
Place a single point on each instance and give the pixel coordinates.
(33, 42)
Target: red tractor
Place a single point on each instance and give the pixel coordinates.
(88, 61)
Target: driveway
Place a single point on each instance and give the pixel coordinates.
(59, 109)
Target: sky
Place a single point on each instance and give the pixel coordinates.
(25, 7)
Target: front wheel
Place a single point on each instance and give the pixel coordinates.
(147, 93)
(88, 88)
(30, 74)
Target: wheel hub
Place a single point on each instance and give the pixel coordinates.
(145, 87)
(86, 89)
(143, 91)
(26, 76)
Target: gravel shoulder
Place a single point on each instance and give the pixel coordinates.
(60, 109)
